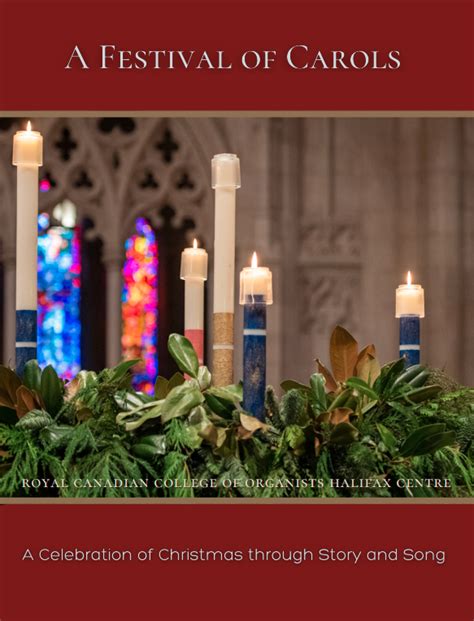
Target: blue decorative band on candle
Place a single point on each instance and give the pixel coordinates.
(26, 339)
(255, 341)
(410, 339)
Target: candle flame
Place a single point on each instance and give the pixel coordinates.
(28, 126)
(254, 262)
(409, 278)
(195, 243)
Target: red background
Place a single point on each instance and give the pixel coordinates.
(435, 40)
(392, 591)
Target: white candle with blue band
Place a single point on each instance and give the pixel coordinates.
(27, 157)
(410, 308)
(255, 294)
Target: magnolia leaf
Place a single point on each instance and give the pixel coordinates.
(290, 384)
(344, 433)
(369, 350)
(427, 439)
(230, 394)
(150, 446)
(181, 400)
(340, 415)
(362, 387)
(331, 383)
(183, 353)
(367, 367)
(51, 390)
(250, 423)
(204, 378)
(26, 400)
(32, 375)
(161, 387)
(34, 419)
(318, 391)
(119, 372)
(175, 380)
(343, 350)
(9, 384)
(388, 438)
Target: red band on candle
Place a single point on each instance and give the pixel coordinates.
(197, 339)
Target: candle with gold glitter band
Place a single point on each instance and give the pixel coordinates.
(194, 274)
(225, 181)
(27, 157)
(410, 308)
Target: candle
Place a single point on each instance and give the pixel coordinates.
(194, 274)
(255, 294)
(27, 157)
(410, 308)
(225, 181)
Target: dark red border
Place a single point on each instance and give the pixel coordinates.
(391, 591)
(434, 38)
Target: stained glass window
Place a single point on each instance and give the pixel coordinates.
(140, 304)
(59, 294)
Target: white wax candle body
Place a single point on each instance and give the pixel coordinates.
(27, 237)
(410, 300)
(224, 251)
(256, 281)
(193, 304)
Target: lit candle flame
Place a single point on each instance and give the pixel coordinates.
(409, 278)
(28, 126)
(195, 243)
(254, 262)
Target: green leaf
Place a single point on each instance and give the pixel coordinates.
(133, 419)
(181, 400)
(175, 380)
(183, 354)
(231, 394)
(150, 446)
(344, 433)
(161, 387)
(204, 378)
(51, 390)
(388, 374)
(318, 391)
(427, 439)
(362, 387)
(32, 375)
(388, 438)
(122, 368)
(290, 384)
(35, 419)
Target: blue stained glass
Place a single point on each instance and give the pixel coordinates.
(59, 296)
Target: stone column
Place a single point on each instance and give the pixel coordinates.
(9, 271)
(113, 262)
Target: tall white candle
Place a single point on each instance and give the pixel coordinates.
(225, 181)
(194, 274)
(27, 157)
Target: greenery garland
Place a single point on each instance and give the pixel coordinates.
(355, 430)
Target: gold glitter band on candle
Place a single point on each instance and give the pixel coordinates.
(223, 354)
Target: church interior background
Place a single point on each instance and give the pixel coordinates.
(339, 209)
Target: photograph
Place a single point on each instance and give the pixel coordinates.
(236, 307)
